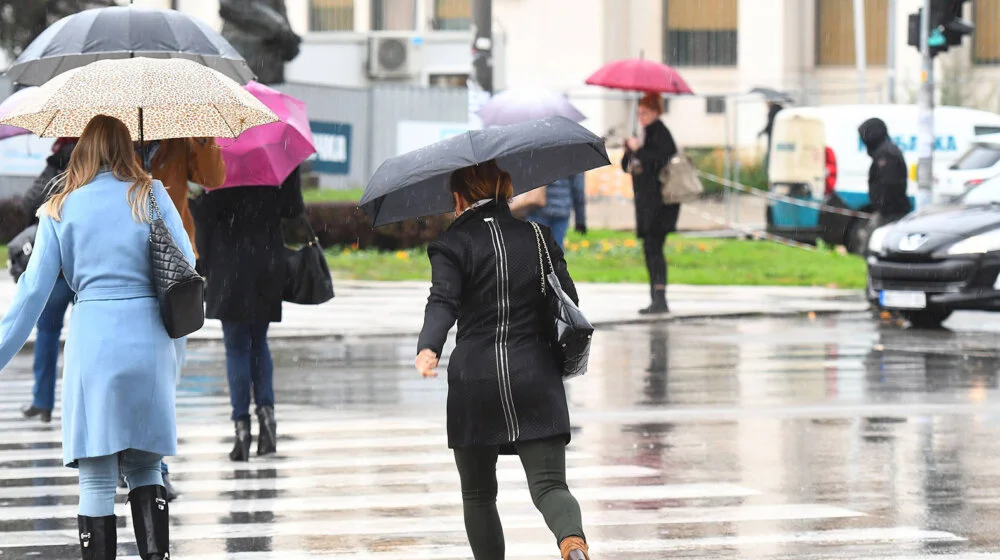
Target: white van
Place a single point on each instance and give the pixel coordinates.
(817, 155)
(979, 163)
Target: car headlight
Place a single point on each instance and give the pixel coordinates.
(982, 243)
(876, 242)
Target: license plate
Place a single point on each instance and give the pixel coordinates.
(902, 300)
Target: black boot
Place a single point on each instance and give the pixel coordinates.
(98, 537)
(30, 411)
(241, 450)
(151, 519)
(659, 304)
(267, 439)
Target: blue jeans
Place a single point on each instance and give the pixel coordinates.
(50, 324)
(99, 478)
(248, 367)
(559, 226)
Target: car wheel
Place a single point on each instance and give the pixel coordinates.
(926, 318)
(856, 239)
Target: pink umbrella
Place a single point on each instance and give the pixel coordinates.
(266, 155)
(7, 131)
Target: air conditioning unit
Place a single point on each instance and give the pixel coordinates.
(394, 56)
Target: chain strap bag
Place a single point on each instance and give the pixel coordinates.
(571, 332)
(180, 290)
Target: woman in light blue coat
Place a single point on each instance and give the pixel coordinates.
(120, 364)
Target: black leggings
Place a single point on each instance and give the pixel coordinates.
(656, 263)
(544, 464)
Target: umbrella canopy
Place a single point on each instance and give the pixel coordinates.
(125, 32)
(267, 154)
(773, 95)
(527, 104)
(6, 107)
(638, 74)
(535, 153)
(176, 98)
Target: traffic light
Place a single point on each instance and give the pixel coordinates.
(947, 26)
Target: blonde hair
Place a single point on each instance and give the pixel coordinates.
(105, 142)
(482, 181)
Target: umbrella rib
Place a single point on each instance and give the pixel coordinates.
(233, 132)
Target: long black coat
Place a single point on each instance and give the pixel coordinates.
(652, 217)
(504, 385)
(242, 249)
(887, 175)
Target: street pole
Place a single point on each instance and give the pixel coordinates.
(925, 114)
(860, 54)
(890, 54)
(482, 45)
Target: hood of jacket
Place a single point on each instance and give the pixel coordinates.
(873, 133)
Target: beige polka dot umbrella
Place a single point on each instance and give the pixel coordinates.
(155, 98)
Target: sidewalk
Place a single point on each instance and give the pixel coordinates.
(388, 309)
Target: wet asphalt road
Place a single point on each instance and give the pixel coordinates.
(778, 438)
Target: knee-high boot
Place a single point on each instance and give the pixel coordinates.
(98, 537)
(151, 519)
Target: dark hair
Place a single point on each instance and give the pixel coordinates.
(482, 181)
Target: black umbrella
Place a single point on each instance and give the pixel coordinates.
(773, 95)
(535, 153)
(125, 32)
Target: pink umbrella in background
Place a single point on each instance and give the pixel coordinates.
(12, 101)
(266, 155)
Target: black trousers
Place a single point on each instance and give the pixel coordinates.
(656, 263)
(544, 463)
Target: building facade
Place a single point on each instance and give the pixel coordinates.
(723, 48)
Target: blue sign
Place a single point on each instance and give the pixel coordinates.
(909, 143)
(333, 147)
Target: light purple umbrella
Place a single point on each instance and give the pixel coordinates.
(5, 107)
(527, 104)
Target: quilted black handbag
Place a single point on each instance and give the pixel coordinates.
(179, 288)
(570, 332)
(307, 280)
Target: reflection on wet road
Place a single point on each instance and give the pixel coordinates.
(779, 438)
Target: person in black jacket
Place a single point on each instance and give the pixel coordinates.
(242, 254)
(50, 323)
(654, 219)
(887, 176)
(505, 389)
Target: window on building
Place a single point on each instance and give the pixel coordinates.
(715, 105)
(986, 39)
(331, 15)
(394, 15)
(700, 32)
(452, 15)
(835, 32)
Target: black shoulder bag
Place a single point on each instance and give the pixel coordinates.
(308, 280)
(571, 332)
(180, 290)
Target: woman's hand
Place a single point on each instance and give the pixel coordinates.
(633, 143)
(426, 363)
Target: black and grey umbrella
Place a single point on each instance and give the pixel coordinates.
(773, 95)
(535, 153)
(125, 32)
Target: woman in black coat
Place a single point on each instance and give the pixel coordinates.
(505, 389)
(242, 254)
(654, 219)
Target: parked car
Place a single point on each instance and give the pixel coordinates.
(980, 162)
(817, 156)
(940, 260)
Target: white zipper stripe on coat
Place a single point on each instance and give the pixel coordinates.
(497, 350)
(506, 336)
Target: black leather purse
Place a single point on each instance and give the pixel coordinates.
(570, 331)
(180, 290)
(307, 280)
(19, 251)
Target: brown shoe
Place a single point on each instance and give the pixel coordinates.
(574, 548)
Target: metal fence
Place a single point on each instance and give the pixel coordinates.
(369, 120)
